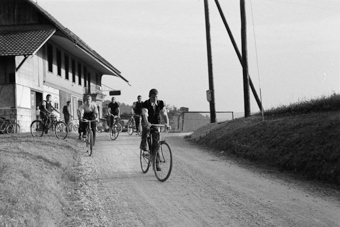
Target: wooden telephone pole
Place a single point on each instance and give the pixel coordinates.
(210, 69)
(245, 60)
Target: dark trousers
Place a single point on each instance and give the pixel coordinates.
(155, 137)
(137, 119)
(111, 120)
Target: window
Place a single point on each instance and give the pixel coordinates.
(67, 66)
(59, 62)
(73, 63)
(50, 57)
(85, 71)
(79, 74)
(7, 70)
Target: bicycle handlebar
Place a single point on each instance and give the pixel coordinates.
(168, 127)
(85, 120)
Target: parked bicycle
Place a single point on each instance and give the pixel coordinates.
(73, 126)
(59, 127)
(132, 126)
(9, 126)
(158, 154)
(116, 128)
(89, 140)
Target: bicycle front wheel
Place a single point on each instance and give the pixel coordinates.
(61, 130)
(114, 132)
(119, 127)
(144, 160)
(130, 127)
(162, 163)
(37, 128)
(90, 141)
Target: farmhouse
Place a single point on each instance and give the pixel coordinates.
(39, 56)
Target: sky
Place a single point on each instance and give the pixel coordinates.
(293, 48)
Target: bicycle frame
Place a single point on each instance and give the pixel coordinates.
(89, 135)
(160, 159)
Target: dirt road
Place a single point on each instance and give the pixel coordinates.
(203, 190)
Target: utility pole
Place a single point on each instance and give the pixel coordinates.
(210, 69)
(259, 102)
(245, 60)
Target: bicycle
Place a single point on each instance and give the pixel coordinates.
(89, 140)
(162, 158)
(132, 125)
(100, 127)
(116, 128)
(13, 127)
(9, 126)
(73, 126)
(60, 129)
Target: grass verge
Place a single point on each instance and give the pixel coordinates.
(38, 177)
(305, 142)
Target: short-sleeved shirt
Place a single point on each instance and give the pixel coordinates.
(91, 108)
(154, 110)
(137, 107)
(114, 108)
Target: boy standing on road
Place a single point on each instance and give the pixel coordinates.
(137, 110)
(67, 113)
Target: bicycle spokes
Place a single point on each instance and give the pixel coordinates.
(162, 162)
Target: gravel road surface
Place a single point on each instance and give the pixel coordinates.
(203, 190)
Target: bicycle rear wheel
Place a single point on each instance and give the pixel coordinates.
(130, 127)
(61, 130)
(163, 160)
(37, 128)
(13, 128)
(114, 132)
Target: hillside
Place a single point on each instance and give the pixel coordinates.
(302, 138)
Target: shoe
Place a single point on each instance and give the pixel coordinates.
(80, 137)
(143, 148)
(146, 154)
(84, 136)
(158, 168)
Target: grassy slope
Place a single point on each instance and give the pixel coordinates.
(37, 180)
(305, 141)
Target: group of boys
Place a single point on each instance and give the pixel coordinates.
(150, 111)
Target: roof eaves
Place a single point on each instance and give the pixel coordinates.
(77, 40)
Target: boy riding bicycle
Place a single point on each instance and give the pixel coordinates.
(151, 112)
(113, 110)
(88, 111)
(46, 109)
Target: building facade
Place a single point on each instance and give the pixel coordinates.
(39, 56)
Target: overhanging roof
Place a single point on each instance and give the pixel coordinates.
(23, 40)
(74, 40)
(84, 55)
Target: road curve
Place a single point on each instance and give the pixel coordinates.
(203, 190)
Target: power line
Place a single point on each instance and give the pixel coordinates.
(257, 60)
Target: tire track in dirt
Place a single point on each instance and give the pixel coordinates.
(203, 190)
